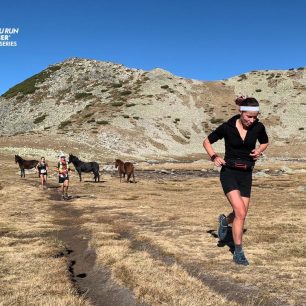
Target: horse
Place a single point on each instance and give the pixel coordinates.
(25, 164)
(125, 168)
(81, 166)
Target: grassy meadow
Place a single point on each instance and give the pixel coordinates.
(154, 240)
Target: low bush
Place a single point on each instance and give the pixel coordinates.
(116, 85)
(102, 122)
(83, 95)
(40, 119)
(125, 92)
(117, 103)
(28, 86)
(216, 120)
(64, 124)
(242, 77)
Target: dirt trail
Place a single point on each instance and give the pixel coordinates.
(90, 280)
(232, 291)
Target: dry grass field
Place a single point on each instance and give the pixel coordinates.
(149, 243)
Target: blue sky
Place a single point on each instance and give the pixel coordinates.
(199, 39)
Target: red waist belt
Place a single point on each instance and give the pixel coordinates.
(241, 165)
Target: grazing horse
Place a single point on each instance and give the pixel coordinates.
(25, 164)
(81, 166)
(125, 168)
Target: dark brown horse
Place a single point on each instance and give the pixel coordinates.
(125, 168)
(25, 164)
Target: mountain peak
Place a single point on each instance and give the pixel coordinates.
(147, 113)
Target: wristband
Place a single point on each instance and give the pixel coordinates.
(213, 157)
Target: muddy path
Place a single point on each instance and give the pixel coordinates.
(90, 280)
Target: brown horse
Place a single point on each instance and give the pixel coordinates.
(25, 164)
(125, 168)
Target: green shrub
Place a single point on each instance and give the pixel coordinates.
(117, 103)
(102, 122)
(88, 115)
(91, 120)
(125, 92)
(64, 124)
(28, 86)
(176, 120)
(242, 77)
(83, 95)
(136, 117)
(258, 90)
(130, 104)
(126, 116)
(116, 85)
(271, 76)
(164, 86)
(216, 120)
(40, 119)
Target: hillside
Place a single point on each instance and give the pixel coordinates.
(112, 109)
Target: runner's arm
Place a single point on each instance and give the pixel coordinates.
(217, 160)
(256, 153)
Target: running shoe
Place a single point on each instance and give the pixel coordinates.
(240, 259)
(223, 227)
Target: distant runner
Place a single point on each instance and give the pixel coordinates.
(42, 168)
(63, 177)
(240, 134)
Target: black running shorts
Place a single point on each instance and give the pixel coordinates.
(236, 179)
(62, 179)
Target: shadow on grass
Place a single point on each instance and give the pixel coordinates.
(94, 182)
(228, 241)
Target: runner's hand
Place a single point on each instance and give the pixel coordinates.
(255, 154)
(218, 161)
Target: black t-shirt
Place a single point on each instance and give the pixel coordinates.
(235, 147)
(42, 167)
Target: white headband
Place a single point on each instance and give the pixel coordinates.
(249, 108)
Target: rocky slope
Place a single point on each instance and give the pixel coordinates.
(147, 114)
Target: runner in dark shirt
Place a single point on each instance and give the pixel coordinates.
(240, 135)
(42, 168)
